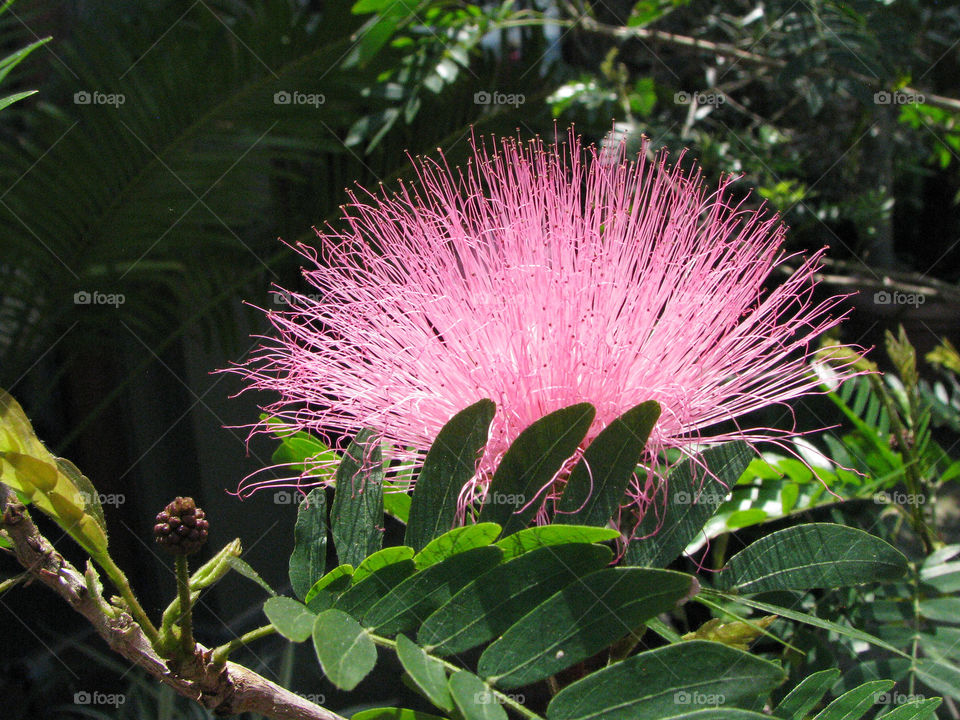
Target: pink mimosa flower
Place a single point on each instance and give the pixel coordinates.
(540, 277)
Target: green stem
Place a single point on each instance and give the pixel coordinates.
(120, 581)
(12, 582)
(221, 653)
(186, 610)
(503, 699)
(916, 497)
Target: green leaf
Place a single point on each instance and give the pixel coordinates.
(450, 463)
(326, 589)
(89, 493)
(668, 682)
(799, 701)
(853, 704)
(426, 672)
(944, 609)
(914, 710)
(365, 594)
(243, 568)
(356, 518)
(580, 620)
(381, 558)
(497, 599)
(310, 543)
(599, 480)
(292, 619)
(815, 555)
(16, 97)
(536, 537)
(456, 541)
(474, 699)
(397, 504)
(392, 713)
(813, 620)
(693, 495)
(529, 464)
(940, 675)
(416, 597)
(344, 649)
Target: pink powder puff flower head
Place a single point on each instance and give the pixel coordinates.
(540, 277)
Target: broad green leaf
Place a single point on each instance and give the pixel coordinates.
(580, 620)
(344, 649)
(853, 704)
(392, 713)
(666, 682)
(356, 517)
(815, 555)
(497, 599)
(693, 495)
(291, 618)
(409, 604)
(382, 558)
(474, 699)
(456, 541)
(310, 543)
(365, 594)
(914, 710)
(544, 535)
(326, 589)
(800, 701)
(599, 480)
(450, 463)
(396, 503)
(529, 464)
(944, 577)
(943, 609)
(942, 676)
(426, 672)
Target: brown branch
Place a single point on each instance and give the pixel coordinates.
(225, 689)
(732, 51)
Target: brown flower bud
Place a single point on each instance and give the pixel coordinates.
(181, 527)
